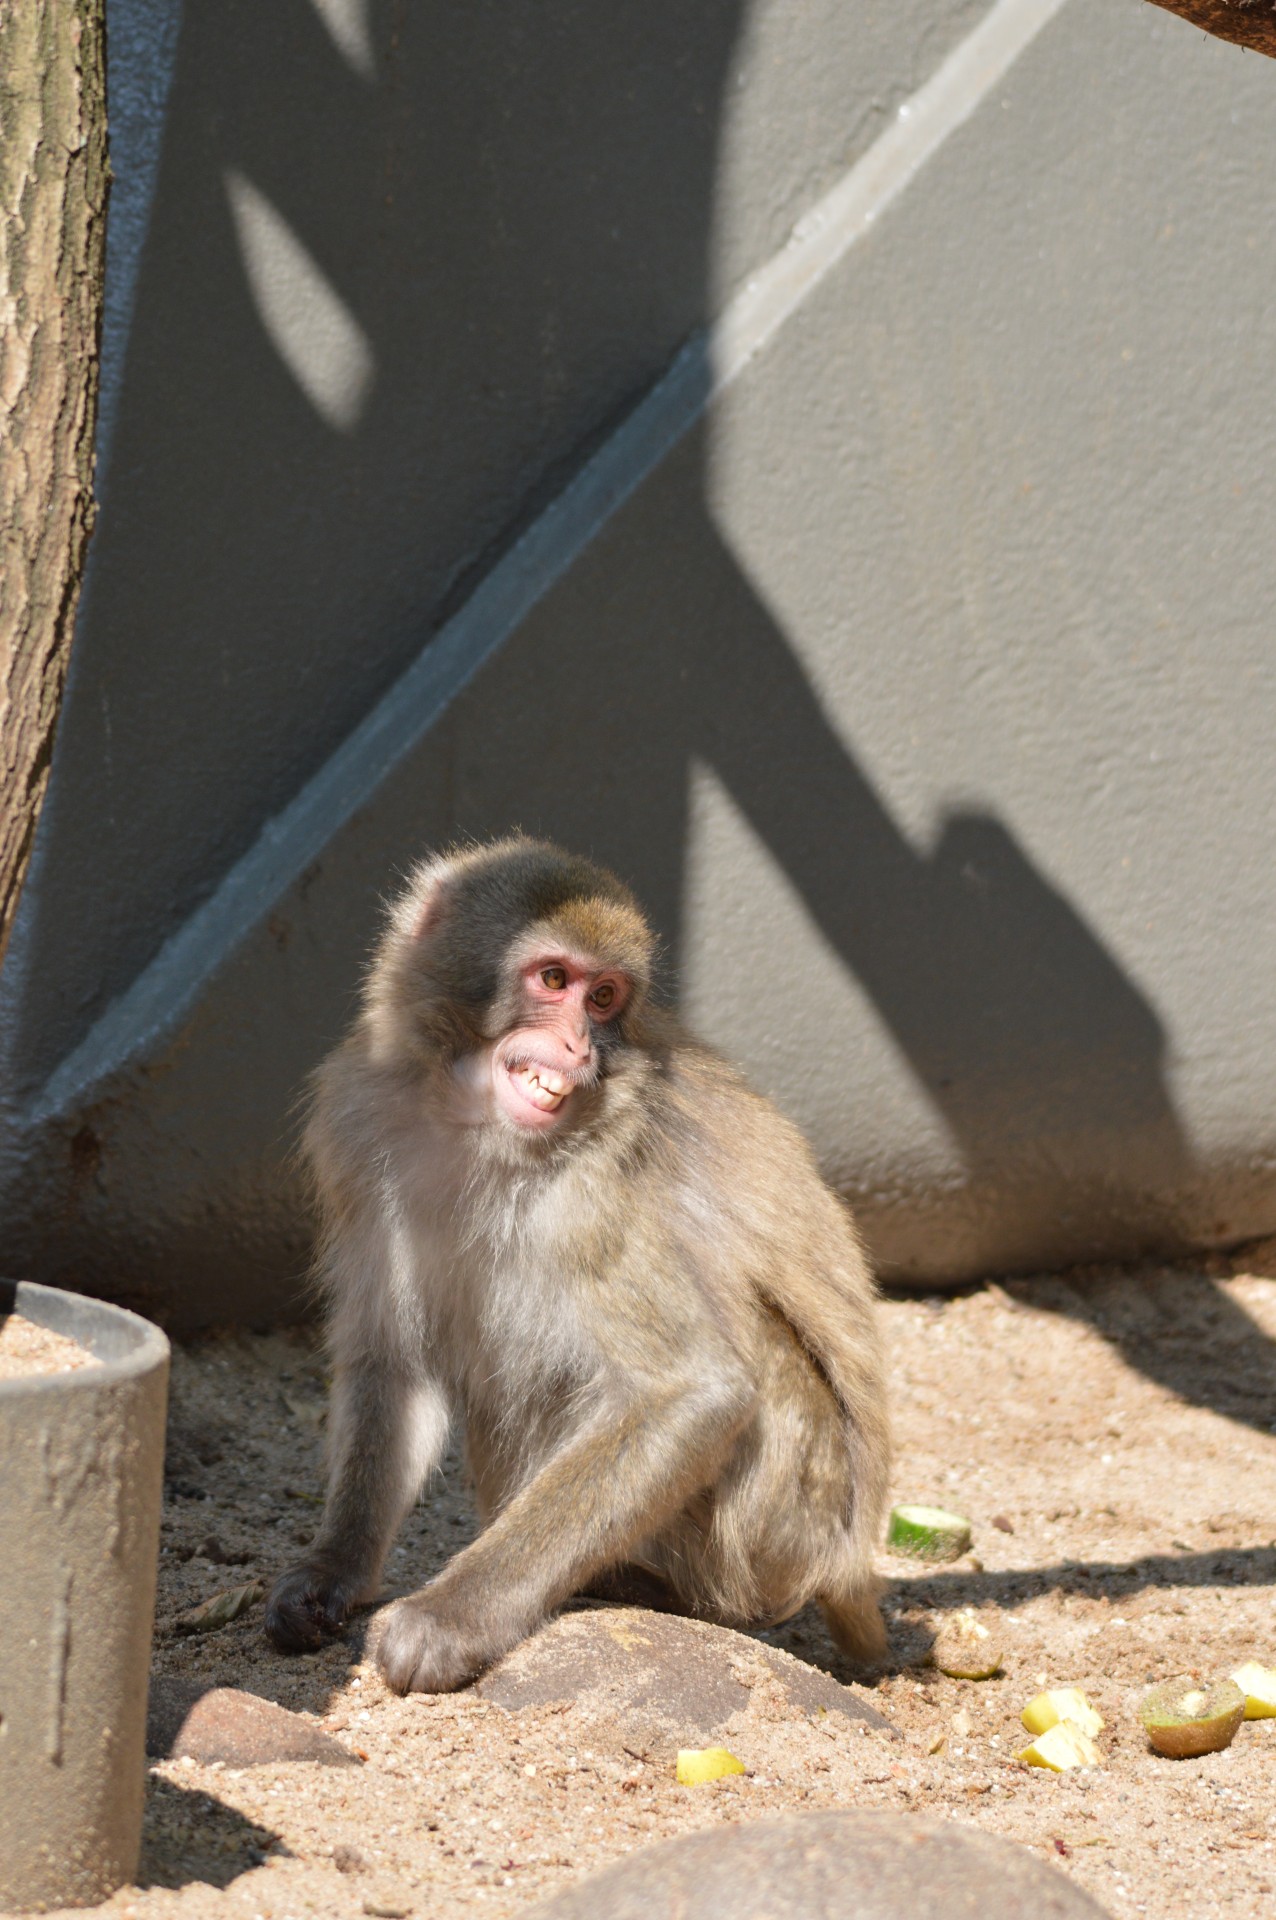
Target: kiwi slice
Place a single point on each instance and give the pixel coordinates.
(1182, 1719)
(1258, 1684)
(1062, 1703)
(927, 1533)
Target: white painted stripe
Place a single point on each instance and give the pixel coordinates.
(166, 991)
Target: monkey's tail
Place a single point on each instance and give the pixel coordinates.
(849, 1596)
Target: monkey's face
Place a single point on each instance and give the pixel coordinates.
(560, 1004)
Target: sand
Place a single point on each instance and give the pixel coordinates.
(1109, 1434)
(27, 1349)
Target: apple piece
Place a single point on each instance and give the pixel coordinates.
(1182, 1719)
(1062, 1703)
(1258, 1684)
(927, 1533)
(698, 1765)
(1060, 1747)
(966, 1649)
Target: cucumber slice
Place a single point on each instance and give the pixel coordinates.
(1061, 1747)
(927, 1533)
(1182, 1719)
(1062, 1703)
(698, 1765)
(1258, 1684)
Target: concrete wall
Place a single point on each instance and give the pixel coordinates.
(818, 459)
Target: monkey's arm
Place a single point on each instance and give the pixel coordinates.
(389, 1431)
(627, 1468)
(388, 1426)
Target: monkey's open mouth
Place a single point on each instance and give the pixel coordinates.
(540, 1087)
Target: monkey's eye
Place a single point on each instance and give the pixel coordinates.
(603, 996)
(555, 978)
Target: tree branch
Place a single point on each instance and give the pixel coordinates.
(1247, 23)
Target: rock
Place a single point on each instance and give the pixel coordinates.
(828, 1866)
(668, 1677)
(212, 1550)
(223, 1723)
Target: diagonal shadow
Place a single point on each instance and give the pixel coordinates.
(1115, 1579)
(949, 1590)
(1177, 1327)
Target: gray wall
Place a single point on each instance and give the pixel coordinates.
(819, 459)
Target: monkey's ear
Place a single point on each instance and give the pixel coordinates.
(424, 904)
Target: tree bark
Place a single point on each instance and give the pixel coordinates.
(53, 188)
(1248, 23)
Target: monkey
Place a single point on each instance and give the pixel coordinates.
(548, 1211)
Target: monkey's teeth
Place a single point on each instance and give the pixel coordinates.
(546, 1090)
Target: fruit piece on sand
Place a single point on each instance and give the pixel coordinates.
(1062, 1703)
(966, 1649)
(1182, 1719)
(927, 1533)
(698, 1765)
(1258, 1684)
(1061, 1747)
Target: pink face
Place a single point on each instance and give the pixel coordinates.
(552, 1051)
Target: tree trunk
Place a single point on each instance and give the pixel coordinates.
(53, 186)
(1250, 23)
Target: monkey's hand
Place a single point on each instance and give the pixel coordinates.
(420, 1650)
(306, 1604)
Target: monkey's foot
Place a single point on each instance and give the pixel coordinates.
(306, 1606)
(419, 1650)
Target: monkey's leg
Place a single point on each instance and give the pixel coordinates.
(629, 1585)
(610, 1485)
(389, 1429)
(856, 1624)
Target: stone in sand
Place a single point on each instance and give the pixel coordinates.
(660, 1674)
(828, 1866)
(184, 1719)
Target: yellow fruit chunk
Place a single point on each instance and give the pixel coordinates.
(698, 1765)
(1182, 1720)
(1062, 1703)
(1258, 1684)
(1060, 1747)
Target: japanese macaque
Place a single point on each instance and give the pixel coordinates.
(551, 1213)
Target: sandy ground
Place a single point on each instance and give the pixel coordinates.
(27, 1349)
(1110, 1436)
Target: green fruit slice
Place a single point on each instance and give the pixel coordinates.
(1060, 1747)
(1182, 1719)
(927, 1533)
(1062, 1703)
(1258, 1684)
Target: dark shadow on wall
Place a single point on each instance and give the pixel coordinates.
(275, 543)
(1046, 1062)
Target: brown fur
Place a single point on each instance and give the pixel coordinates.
(655, 1320)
